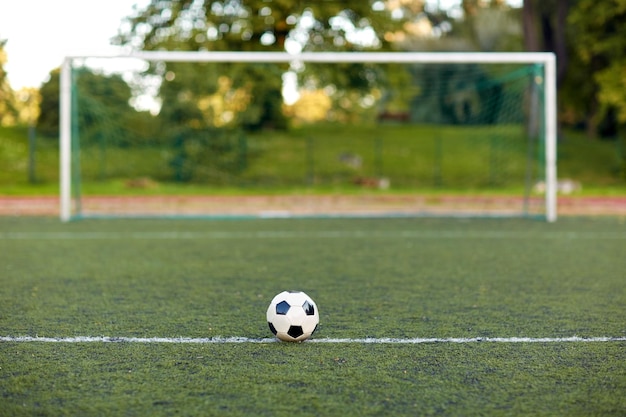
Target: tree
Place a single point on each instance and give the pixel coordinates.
(102, 102)
(8, 111)
(48, 121)
(596, 83)
(254, 25)
(544, 23)
(473, 95)
(489, 26)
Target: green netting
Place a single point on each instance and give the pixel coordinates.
(431, 138)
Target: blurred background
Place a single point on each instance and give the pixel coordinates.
(587, 37)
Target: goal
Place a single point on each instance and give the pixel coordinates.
(255, 134)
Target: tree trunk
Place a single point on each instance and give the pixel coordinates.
(544, 30)
(529, 23)
(560, 45)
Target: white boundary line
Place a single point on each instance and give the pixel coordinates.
(368, 340)
(321, 234)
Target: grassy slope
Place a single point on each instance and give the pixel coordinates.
(453, 278)
(595, 164)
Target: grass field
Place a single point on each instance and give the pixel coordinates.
(409, 155)
(417, 317)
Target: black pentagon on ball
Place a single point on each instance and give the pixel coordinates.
(308, 308)
(295, 331)
(272, 328)
(282, 308)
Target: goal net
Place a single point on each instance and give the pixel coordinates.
(235, 134)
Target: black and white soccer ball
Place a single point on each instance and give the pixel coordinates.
(292, 316)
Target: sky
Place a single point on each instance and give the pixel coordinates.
(40, 33)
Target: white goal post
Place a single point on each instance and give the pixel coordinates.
(547, 60)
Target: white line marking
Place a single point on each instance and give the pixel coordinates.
(369, 340)
(321, 234)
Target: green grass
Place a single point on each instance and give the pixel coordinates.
(429, 159)
(315, 380)
(398, 278)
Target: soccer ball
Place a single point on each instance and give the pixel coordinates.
(292, 316)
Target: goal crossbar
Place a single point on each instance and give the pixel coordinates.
(333, 57)
(548, 60)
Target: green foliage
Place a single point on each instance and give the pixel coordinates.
(101, 104)
(207, 156)
(250, 95)
(101, 108)
(8, 110)
(249, 26)
(399, 278)
(266, 109)
(468, 94)
(595, 21)
(48, 121)
(241, 25)
(597, 32)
